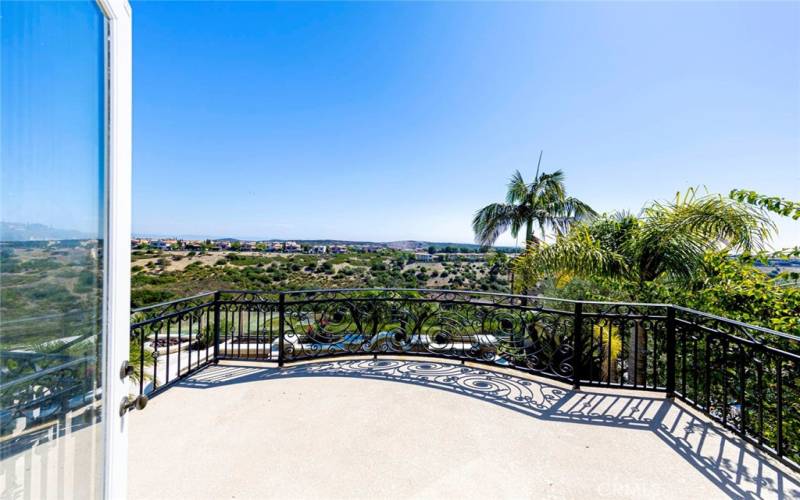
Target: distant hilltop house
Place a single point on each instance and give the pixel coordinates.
(337, 249)
(193, 245)
(291, 246)
(319, 249)
(423, 257)
(465, 257)
(163, 244)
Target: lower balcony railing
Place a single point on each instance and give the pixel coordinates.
(744, 377)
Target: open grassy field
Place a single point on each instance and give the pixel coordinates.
(49, 291)
(158, 276)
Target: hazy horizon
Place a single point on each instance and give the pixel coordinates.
(44, 232)
(256, 238)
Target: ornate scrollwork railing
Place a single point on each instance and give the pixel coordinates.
(743, 376)
(172, 340)
(52, 386)
(488, 328)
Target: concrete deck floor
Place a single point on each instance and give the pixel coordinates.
(429, 429)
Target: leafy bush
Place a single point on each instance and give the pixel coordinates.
(141, 297)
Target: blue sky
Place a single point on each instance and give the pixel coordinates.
(52, 114)
(386, 121)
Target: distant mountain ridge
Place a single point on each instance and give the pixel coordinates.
(18, 231)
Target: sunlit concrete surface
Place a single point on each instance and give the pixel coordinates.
(429, 429)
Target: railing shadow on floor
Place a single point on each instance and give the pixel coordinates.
(735, 467)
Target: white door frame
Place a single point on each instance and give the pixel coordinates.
(116, 285)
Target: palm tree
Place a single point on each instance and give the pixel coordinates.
(543, 203)
(667, 242)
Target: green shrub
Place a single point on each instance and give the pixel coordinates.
(146, 296)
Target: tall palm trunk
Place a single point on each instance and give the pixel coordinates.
(528, 244)
(637, 354)
(638, 340)
(528, 234)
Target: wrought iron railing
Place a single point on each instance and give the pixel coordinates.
(744, 377)
(54, 385)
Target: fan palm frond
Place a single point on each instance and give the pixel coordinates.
(668, 240)
(493, 220)
(541, 203)
(517, 189)
(577, 254)
(726, 223)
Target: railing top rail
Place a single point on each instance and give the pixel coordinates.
(446, 291)
(434, 291)
(67, 314)
(171, 314)
(170, 302)
(27, 379)
(741, 324)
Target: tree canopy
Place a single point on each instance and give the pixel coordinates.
(541, 204)
(668, 241)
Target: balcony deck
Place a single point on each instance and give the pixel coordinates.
(395, 428)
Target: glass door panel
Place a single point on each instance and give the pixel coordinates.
(52, 233)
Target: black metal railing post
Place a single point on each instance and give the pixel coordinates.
(281, 319)
(577, 346)
(671, 348)
(216, 326)
(141, 362)
(779, 406)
